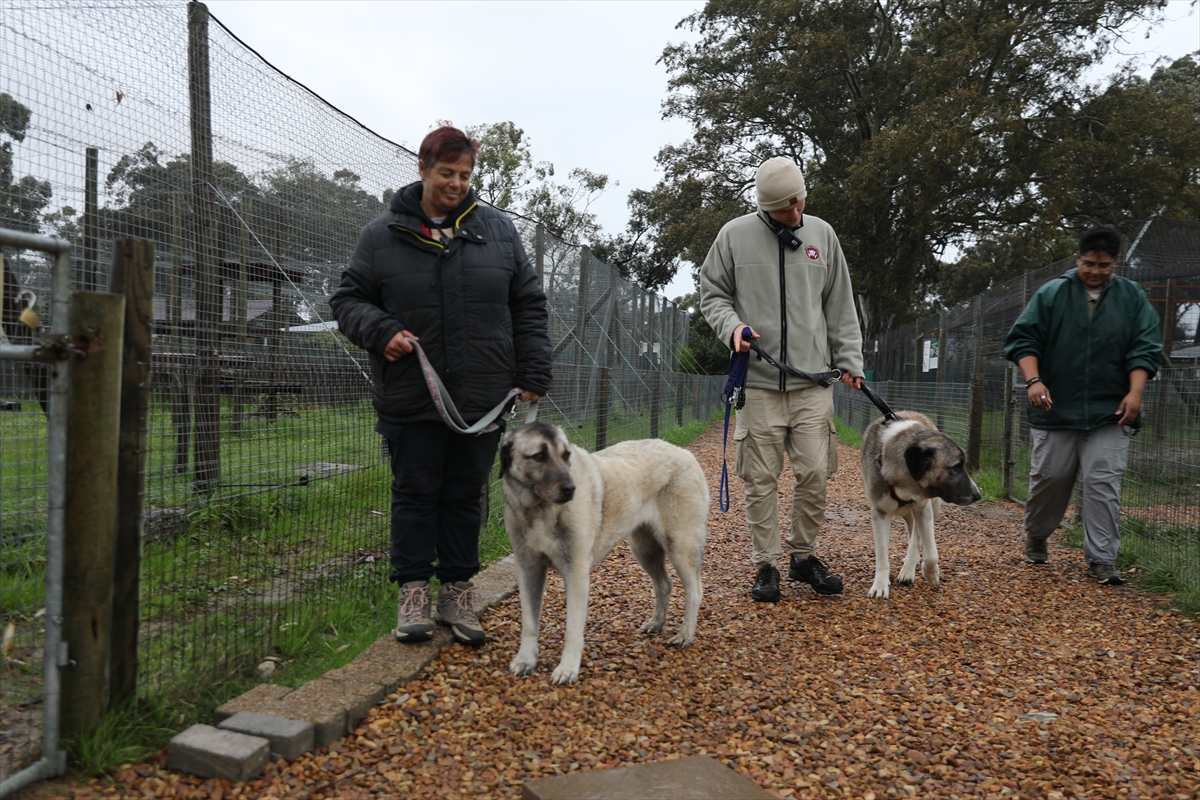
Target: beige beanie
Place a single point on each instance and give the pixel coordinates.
(779, 183)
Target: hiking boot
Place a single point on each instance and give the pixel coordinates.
(1105, 574)
(413, 623)
(1035, 550)
(811, 571)
(766, 584)
(456, 608)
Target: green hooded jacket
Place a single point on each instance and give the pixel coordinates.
(1085, 363)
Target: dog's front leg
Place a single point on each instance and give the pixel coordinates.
(908, 569)
(929, 553)
(576, 582)
(881, 524)
(531, 581)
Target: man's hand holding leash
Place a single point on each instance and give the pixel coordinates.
(742, 345)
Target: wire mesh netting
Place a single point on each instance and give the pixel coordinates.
(266, 488)
(930, 365)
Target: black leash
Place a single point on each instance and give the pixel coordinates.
(888, 414)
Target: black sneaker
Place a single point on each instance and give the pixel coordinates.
(766, 584)
(815, 574)
(1035, 550)
(1106, 574)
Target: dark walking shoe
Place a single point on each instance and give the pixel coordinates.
(766, 584)
(1106, 574)
(811, 571)
(413, 622)
(1035, 550)
(456, 608)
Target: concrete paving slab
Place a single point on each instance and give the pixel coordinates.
(289, 738)
(357, 696)
(254, 700)
(214, 753)
(694, 778)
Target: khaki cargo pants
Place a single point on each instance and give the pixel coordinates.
(800, 423)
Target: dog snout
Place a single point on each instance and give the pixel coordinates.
(566, 492)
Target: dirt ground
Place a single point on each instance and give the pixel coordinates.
(1008, 680)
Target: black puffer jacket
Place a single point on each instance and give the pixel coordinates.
(476, 305)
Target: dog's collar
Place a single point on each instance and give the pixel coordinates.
(891, 489)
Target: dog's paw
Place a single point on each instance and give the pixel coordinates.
(907, 575)
(879, 589)
(682, 639)
(652, 625)
(522, 665)
(931, 573)
(565, 674)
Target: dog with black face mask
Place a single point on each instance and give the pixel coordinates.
(909, 469)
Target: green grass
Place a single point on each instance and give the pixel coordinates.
(1162, 560)
(323, 636)
(847, 435)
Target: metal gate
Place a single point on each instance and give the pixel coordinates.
(32, 515)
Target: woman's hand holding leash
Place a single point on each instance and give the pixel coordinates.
(400, 345)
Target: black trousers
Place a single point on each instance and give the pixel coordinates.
(437, 478)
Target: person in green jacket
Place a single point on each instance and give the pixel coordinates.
(782, 274)
(1086, 345)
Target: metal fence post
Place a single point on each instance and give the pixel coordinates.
(132, 276)
(97, 323)
(975, 410)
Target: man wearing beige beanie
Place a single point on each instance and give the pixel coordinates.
(782, 274)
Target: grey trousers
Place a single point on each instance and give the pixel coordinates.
(1100, 455)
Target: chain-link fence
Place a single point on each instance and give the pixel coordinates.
(266, 488)
(951, 367)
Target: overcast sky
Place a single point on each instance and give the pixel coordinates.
(581, 78)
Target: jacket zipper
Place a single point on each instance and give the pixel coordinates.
(783, 354)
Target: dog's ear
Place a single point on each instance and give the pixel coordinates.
(919, 460)
(505, 455)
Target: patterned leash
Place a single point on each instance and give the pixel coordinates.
(449, 412)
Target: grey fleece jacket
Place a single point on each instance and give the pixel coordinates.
(800, 302)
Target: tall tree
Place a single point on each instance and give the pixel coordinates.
(920, 125)
(21, 200)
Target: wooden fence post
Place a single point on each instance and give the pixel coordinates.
(132, 276)
(975, 410)
(207, 461)
(654, 320)
(943, 367)
(97, 322)
(91, 219)
(577, 398)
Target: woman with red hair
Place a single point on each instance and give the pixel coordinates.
(441, 269)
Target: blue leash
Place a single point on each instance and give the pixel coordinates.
(733, 395)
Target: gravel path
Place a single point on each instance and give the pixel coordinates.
(1009, 680)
